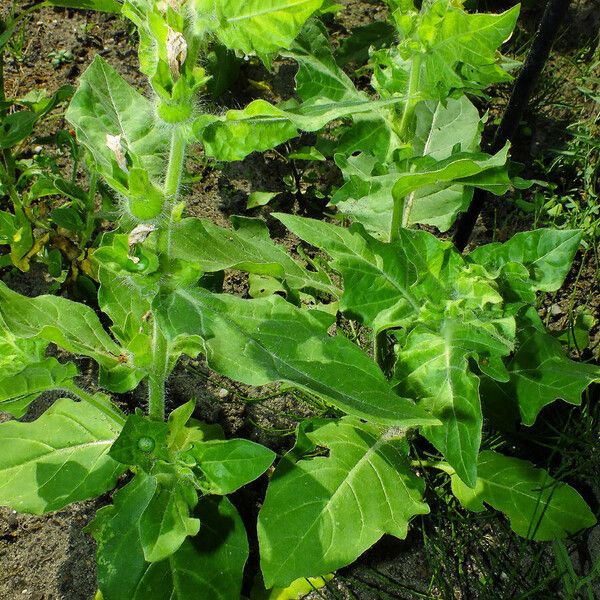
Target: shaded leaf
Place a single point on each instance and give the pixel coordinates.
(539, 507)
(540, 373)
(211, 563)
(60, 458)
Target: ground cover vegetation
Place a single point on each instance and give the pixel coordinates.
(453, 338)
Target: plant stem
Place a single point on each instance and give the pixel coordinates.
(175, 166)
(158, 374)
(403, 206)
(397, 218)
(412, 97)
(441, 466)
(105, 407)
(160, 347)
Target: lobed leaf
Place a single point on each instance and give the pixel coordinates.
(458, 50)
(546, 253)
(321, 512)
(266, 340)
(379, 278)
(540, 373)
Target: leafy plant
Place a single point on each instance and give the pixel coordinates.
(49, 217)
(454, 337)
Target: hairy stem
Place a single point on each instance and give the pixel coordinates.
(160, 348)
(412, 99)
(403, 206)
(158, 374)
(175, 166)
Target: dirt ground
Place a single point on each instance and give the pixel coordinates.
(50, 557)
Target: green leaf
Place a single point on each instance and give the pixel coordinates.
(378, 277)
(19, 390)
(306, 153)
(141, 442)
(16, 127)
(184, 431)
(576, 335)
(227, 465)
(258, 127)
(260, 199)
(122, 299)
(540, 373)
(16, 353)
(435, 368)
(441, 126)
(223, 66)
(261, 126)
(319, 75)
(437, 191)
(539, 507)
(297, 589)
(260, 26)
(212, 562)
(73, 326)
(166, 523)
(546, 253)
(105, 104)
(267, 340)
(459, 50)
(456, 168)
(247, 248)
(320, 79)
(321, 512)
(67, 217)
(60, 458)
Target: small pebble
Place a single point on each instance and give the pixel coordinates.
(222, 393)
(555, 310)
